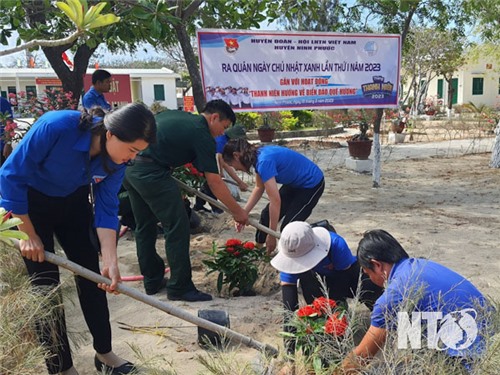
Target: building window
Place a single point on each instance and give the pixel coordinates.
(12, 93)
(30, 91)
(477, 86)
(440, 89)
(159, 92)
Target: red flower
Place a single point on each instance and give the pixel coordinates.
(230, 249)
(233, 242)
(307, 311)
(249, 245)
(324, 305)
(10, 125)
(335, 325)
(7, 216)
(236, 253)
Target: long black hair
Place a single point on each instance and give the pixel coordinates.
(129, 123)
(247, 151)
(379, 245)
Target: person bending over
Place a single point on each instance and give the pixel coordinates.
(301, 180)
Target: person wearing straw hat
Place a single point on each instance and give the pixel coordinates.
(306, 253)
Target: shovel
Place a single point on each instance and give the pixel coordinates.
(218, 204)
(160, 305)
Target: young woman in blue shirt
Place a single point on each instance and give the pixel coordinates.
(302, 184)
(46, 182)
(427, 287)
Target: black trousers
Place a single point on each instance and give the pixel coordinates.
(296, 205)
(200, 202)
(341, 285)
(67, 218)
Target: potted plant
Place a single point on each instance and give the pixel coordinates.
(360, 146)
(266, 132)
(398, 125)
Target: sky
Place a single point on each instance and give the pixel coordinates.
(12, 60)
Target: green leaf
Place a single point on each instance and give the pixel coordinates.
(9, 223)
(14, 234)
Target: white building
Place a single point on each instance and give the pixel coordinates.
(478, 83)
(146, 85)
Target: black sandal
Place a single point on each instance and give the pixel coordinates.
(126, 368)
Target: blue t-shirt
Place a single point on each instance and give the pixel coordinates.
(5, 108)
(288, 167)
(338, 258)
(429, 287)
(220, 142)
(53, 158)
(94, 98)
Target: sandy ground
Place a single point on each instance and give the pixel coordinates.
(438, 202)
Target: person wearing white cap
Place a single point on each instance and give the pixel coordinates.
(304, 253)
(302, 184)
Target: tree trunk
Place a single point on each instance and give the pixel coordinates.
(376, 148)
(191, 62)
(495, 155)
(72, 80)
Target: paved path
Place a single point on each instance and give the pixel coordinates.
(329, 158)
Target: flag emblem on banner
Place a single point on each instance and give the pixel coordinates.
(231, 44)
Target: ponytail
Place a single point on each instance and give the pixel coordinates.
(92, 120)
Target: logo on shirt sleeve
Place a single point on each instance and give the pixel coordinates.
(97, 179)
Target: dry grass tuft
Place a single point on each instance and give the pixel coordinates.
(20, 305)
(390, 359)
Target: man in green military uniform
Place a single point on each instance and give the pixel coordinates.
(181, 138)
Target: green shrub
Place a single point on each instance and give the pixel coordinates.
(290, 123)
(305, 118)
(249, 120)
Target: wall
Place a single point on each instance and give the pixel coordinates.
(148, 91)
(490, 96)
(142, 82)
(481, 69)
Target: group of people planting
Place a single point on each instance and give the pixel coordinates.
(69, 155)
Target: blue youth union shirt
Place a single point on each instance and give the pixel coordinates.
(53, 158)
(338, 258)
(94, 98)
(288, 167)
(430, 287)
(220, 142)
